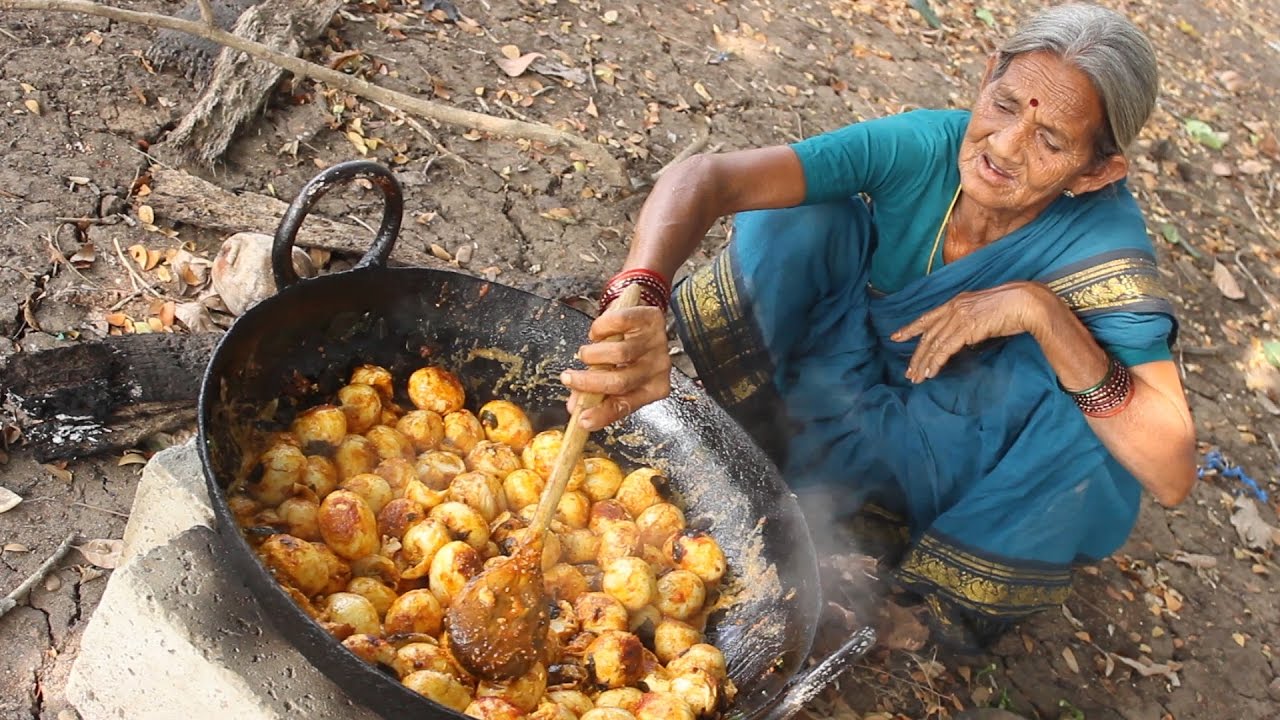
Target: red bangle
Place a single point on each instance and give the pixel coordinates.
(654, 289)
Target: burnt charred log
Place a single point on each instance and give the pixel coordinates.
(104, 396)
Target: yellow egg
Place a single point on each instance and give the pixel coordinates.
(462, 432)
(437, 390)
(378, 378)
(348, 525)
(506, 423)
(417, 611)
(493, 458)
(396, 517)
(659, 522)
(355, 611)
(320, 429)
(523, 488)
(440, 687)
(362, 406)
(680, 594)
(699, 553)
(630, 581)
(321, 475)
(375, 490)
(398, 473)
(424, 429)
(603, 478)
(541, 453)
(639, 490)
(300, 516)
(390, 443)
(615, 659)
(355, 455)
(672, 638)
(282, 467)
(438, 468)
(374, 591)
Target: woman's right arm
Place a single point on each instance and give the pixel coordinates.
(681, 208)
(692, 195)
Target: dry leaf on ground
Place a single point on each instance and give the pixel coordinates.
(1146, 668)
(900, 629)
(8, 499)
(105, 553)
(1253, 531)
(515, 67)
(1226, 282)
(1192, 560)
(1070, 658)
(195, 317)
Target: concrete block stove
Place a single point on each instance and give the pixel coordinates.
(176, 637)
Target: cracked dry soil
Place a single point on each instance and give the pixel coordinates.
(763, 72)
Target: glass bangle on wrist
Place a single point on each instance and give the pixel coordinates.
(654, 289)
(1109, 396)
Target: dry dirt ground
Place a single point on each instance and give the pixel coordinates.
(651, 76)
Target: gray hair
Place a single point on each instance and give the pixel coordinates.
(1115, 55)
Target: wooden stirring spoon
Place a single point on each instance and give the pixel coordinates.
(498, 622)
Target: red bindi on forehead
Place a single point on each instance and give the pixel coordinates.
(1035, 102)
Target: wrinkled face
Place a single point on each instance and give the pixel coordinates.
(1031, 136)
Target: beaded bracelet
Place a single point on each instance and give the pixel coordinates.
(654, 289)
(1109, 397)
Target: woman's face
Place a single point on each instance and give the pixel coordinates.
(1031, 136)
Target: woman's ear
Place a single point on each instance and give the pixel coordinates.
(1110, 170)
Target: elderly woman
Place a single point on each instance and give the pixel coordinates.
(951, 319)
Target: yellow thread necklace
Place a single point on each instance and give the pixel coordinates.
(946, 220)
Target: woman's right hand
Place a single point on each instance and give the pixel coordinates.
(630, 372)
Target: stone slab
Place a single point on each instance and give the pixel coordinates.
(175, 637)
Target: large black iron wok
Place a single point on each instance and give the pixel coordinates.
(297, 348)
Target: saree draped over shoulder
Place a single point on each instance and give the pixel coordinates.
(999, 482)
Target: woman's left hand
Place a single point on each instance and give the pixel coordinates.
(971, 318)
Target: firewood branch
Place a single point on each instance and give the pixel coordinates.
(610, 167)
(206, 12)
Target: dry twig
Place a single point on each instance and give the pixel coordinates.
(139, 283)
(10, 601)
(689, 151)
(609, 166)
(206, 12)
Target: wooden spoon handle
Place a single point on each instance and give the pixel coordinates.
(575, 437)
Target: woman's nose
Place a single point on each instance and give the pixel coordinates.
(1006, 141)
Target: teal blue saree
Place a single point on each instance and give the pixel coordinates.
(997, 484)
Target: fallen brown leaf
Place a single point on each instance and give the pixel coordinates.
(515, 67)
(1147, 668)
(1199, 562)
(105, 553)
(1253, 167)
(1226, 282)
(16, 547)
(901, 630)
(1070, 659)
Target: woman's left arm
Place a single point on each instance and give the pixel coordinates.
(1153, 437)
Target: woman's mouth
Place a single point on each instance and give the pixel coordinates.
(994, 172)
